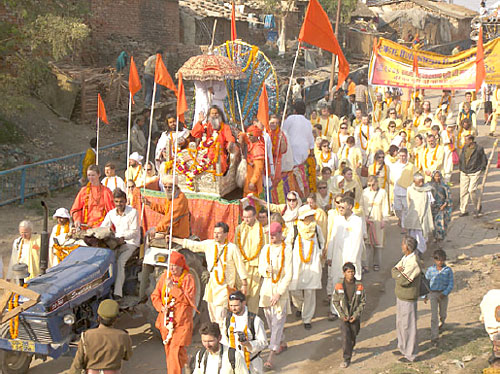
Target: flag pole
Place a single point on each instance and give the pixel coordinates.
(267, 190)
(148, 148)
(174, 166)
(239, 110)
(290, 85)
(97, 143)
(129, 126)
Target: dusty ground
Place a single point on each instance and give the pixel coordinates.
(463, 343)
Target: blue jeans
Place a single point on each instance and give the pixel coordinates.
(149, 81)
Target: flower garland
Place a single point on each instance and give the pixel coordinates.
(66, 228)
(232, 340)
(216, 260)
(451, 145)
(361, 137)
(301, 250)
(376, 173)
(138, 172)
(62, 252)
(433, 156)
(168, 319)
(86, 205)
(327, 159)
(14, 322)
(276, 280)
(311, 167)
(261, 243)
(20, 249)
(327, 126)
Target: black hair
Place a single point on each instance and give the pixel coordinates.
(119, 194)
(250, 209)
(93, 142)
(299, 107)
(210, 328)
(237, 295)
(348, 265)
(439, 254)
(223, 225)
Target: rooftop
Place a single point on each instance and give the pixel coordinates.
(439, 7)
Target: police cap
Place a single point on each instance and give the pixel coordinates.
(108, 309)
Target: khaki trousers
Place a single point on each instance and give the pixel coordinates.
(439, 311)
(469, 184)
(253, 289)
(305, 301)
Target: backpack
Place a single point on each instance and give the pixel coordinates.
(425, 285)
(231, 354)
(251, 322)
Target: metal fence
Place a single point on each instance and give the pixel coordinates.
(44, 176)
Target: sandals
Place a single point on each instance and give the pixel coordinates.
(281, 349)
(268, 366)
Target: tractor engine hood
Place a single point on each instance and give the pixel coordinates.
(85, 272)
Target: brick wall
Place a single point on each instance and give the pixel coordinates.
(152, 20)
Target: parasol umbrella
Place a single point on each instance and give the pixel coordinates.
(210, 68)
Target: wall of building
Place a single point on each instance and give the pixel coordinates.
(156, 21)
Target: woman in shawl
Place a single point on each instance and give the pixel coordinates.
(441, 207)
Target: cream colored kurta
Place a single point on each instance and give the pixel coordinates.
(339, 141)
(419, 215)
(332, 216)
(307, 276)
(135, 174)
(272, 255)
(376, 209)
(432, 159)
(352, 154)
(346, 245)
(362, 134)
(382, 174)
(62, 239)
(322, 221)
(216, 292)
(329, 125)
(377, 142)
(27, 252)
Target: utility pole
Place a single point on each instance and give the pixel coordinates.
(334, 57)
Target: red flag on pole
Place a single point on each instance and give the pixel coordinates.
(263, 112)
(317, 30)
(415, 63)
(101, 111)
(134, 83)
(480, 68)
(233, 23)
(162, 76)
(181, 100)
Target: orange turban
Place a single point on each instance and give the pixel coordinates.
(178, 259)
(254, 130)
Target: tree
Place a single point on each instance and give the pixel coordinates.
(346, 8)
(281, 8)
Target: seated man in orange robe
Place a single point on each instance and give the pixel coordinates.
(173, 299)
(215, 128)
(93, 201)
(180, 226)
(256, 159)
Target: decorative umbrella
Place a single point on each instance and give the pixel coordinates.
(210, 68)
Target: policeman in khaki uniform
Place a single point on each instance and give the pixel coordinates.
(101, 350)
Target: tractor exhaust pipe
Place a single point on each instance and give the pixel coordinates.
(44, 250)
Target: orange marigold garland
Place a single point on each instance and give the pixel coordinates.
(276, 280)
(216, 259)
(301, 250)
(261, 243)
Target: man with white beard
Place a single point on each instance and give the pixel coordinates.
(213, 130)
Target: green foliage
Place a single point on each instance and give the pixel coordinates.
(50, 30)
(56, 36)
(346, 8)
(9, 133)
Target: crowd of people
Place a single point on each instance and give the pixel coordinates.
(396, 160)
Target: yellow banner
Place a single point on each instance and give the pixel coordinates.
(392, 65)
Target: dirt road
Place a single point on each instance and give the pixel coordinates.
(463, 343)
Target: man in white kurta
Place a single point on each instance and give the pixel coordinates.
(111, 180)
(250, 239)
(223, 263)
(25, 249)
(275, 267)
(448, 139)
(432, 157)
(346, 244)
(60, 236)
(418, 220)
(307, 269)
(401, 174)
(238, 323)
(376, 210)
(299, 133)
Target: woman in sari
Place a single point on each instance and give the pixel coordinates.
(441, 207)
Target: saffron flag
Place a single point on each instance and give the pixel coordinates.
(415, 63)
(162, 76)
(375, 46)
(181, 100)
(233, 23)
(480, 68)
(317, 30)
(134, 83)
(101, 111)
(263, 112)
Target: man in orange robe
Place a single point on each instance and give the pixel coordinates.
(277, 138)
(256, 159)
(173, 299)
(93, 201)
(180, 227)
(224, 137)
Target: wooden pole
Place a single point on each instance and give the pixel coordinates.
(97, 143)
(334, 57)
(481, 189)
(290, 85)
(129, 127)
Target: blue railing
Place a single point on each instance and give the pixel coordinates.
(41, 177)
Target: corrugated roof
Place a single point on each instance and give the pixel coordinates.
(446, 9)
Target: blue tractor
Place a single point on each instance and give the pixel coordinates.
(69, 295)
